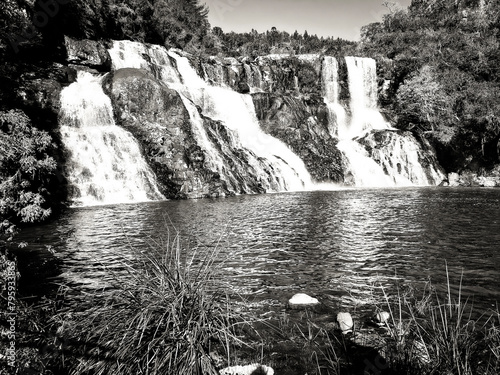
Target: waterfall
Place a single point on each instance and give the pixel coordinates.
(274, 165)
(331, 92)
(363, 89)
(395, 163)
(105, 164)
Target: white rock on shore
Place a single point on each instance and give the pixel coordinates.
(247, 370)
(382, 318)
(345, 322)
(302, 300)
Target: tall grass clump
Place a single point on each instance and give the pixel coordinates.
(168, 315)
(439, 334)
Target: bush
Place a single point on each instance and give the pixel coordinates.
(25, 169)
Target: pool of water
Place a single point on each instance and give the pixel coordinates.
(339, 246)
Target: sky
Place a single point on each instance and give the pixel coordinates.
(335, 18)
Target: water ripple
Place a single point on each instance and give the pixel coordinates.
(341, 246)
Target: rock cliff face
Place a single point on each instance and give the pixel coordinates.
(394, 151)
(221, 128)
(158, 118)
(305, 130)
(288, 98)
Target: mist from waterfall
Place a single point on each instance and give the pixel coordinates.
(105, 164)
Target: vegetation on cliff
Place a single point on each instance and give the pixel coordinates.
(173, 23)
(445, 78)
(25, 170)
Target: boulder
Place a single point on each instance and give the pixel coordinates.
(382, 318)
(453, 179)
(88, 53)
(472, 179)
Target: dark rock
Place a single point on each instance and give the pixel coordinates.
(305, 130)
(467, 178)
(89, 53)
(243, 88)
(40, 97)
(157, 117)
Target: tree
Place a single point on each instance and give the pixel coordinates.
(25, 169)
(421, 100)
(179, 22)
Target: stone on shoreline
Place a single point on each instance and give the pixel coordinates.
(302, 300)
(382, 318)
(345, 322)
(253, 369)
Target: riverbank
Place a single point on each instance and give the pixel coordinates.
(175, 314)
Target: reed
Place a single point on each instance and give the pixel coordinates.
(169, 316)
(438, 335)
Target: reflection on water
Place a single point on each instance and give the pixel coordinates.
(339, 246)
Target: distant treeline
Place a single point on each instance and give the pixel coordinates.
(275, 41)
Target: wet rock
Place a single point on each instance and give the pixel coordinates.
(157, 117)
(305, 130)
(402, 155)
(471, 179)
(169, 133)
(370, 339)
(89, 53)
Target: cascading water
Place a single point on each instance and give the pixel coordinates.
(331, 92)
(276, 167)
(362, 74)
(398, 165)
(105, 165)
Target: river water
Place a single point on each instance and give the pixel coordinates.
(339, 246)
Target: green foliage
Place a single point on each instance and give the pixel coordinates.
(446, 72)
(24, 168)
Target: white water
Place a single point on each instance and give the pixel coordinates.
(105, 165)
(398, 164)
(331, 92)
(363, 89)
(235, 110)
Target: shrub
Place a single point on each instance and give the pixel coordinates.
(25, 168)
